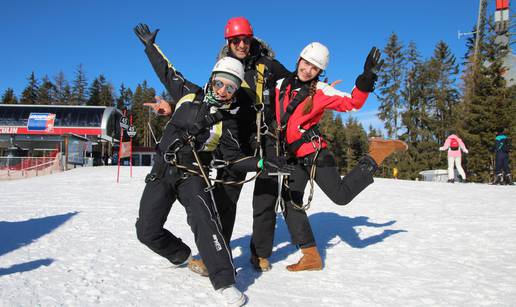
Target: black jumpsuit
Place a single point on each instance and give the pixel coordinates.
(167, 182)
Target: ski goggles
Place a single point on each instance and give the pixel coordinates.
(230, 88)
(237, 40)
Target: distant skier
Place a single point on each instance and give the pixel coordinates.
(502, 149)
(455, 147)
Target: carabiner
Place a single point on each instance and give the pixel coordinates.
(217, 163)
(316, 141)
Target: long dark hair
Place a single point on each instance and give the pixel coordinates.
(308, 102)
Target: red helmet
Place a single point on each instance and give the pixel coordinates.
(238, 26)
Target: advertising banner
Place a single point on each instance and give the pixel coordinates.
(41, 122)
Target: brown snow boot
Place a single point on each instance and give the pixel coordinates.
(260, 264)
(311, 261)
(198, 266)
(379, 149)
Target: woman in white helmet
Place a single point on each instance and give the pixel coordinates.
(199, 127)
(301, 100)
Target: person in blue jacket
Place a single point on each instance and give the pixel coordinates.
(502, 149)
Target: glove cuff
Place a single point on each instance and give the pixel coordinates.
(366, 81)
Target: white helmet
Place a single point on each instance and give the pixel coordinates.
(317, 54)
(231, 66)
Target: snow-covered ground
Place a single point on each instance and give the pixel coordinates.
(69, 240)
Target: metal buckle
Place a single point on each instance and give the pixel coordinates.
(170, 154)
(217, 163)
(264, 128)
(170, 157)
(208, 189)
(316, 141)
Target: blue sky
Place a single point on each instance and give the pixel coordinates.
(51, 36)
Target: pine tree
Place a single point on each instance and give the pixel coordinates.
(125, 97)
(413, 98)
(390, 83)
(373, 132)
(61, 89)
(8, 97)
(419, 87)
(46, 92)
(444, 96)
(143, 115)
(357, 145)
(30, 93)
(94, 92)
(107, 97)
(79, 87)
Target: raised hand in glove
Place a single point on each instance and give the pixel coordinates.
(144, 34)
(373, 63)
(366, 81)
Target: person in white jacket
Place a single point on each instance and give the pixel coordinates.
(455, 147)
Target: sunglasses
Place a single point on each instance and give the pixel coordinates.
(237, 40)
(230, 89)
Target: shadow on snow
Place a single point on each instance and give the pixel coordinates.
(14, 235)
(330, 229)
(27, 266)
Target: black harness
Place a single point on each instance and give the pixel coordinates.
(308, 136)
(173, 151)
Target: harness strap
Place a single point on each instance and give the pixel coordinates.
(298, 99)
(313, 172)
(285, 114)
(217, 165)
(308, 136)
(260, 80)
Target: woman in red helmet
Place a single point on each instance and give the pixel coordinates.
(301, 100)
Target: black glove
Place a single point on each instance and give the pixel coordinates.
(373, 63)
(145, 35)
(366, 81)
(277, 164)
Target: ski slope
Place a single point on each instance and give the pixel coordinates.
(69, 240)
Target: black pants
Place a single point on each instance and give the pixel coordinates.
(202, 216)
(340, 190)
(264, 215)
(226, 197)
(502, 163)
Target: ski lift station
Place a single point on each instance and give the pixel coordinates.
(82, 135)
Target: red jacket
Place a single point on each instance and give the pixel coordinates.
(325, 97)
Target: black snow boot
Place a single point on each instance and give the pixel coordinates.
(451, 180)
(508, 179)
(498, 179)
